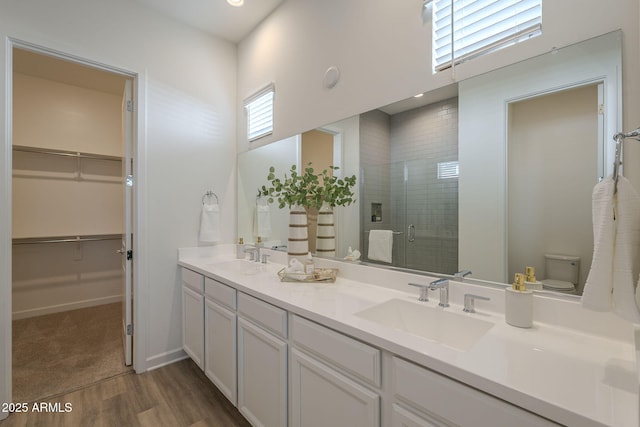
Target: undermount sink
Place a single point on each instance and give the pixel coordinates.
(458, 331)
(242, 266)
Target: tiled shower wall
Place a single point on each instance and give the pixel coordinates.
(418, 140)
(375, 156)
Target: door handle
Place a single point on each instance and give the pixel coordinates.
(411, 233)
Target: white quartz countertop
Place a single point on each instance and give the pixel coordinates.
(570, 376)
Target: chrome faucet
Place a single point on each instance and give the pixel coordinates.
(254, 253)
(443, 285)
(462, 273)
(424, 291)
(469, 302)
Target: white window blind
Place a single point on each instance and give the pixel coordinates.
(259, 109)
(448, 169)
(480, 26)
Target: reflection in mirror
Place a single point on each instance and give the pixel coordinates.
(526, 173)
(331, 145)
(409, 162)
(518, 162)
(253, 168)
(549, 199)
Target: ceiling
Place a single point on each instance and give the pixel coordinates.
(63, 71)
(217, 17)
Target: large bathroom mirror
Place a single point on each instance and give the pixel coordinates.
(487, 175)
(335, 144)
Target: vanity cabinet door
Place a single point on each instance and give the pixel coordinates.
(262, 376)
(220, 348)
(441, 398)
(193, 325)
(401, 417)
(320, 396)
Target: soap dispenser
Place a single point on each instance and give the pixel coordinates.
(309, 265)
(530, 280)
(240, 253)
(518, 310)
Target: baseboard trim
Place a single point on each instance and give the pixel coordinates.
(166, 358)
(33, 312)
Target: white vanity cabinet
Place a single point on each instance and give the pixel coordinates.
(262, 362)
(220, 322)
(326, 375)
(281, 369)
(422, 397)
(193, 315)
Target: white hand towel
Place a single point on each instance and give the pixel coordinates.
(627, 248)
(210, 223)
(262, 221)
(599, 284)
(610, 285)
(381, 245)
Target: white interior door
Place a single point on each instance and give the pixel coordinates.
(126, 251)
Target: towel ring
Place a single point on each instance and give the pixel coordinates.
(210, 194)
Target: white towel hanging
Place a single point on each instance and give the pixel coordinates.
(210, 223)
(598, 287)
(381, 245)
(262, 221)
(614, 269)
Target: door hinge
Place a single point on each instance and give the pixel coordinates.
(129, 105)
(601, 109)
(129, 180)
(129, 329)
(129, 254)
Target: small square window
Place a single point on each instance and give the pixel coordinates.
(448, 170)
(464, 29)
(259, 108)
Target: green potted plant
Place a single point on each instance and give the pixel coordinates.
(297, 192)
(294, 189)
(300, 191)
(334, 191)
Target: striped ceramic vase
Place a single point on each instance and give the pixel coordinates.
(298, 242)
(326, 234)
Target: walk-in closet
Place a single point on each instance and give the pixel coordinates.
(68, 204)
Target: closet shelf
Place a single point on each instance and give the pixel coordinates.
(66, 239)
(65, 153)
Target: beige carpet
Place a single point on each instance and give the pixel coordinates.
(62, 352)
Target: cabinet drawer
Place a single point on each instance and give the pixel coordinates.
(264, 314)
(356, 358)
(441, 397)
(193, 280)
(219, 292)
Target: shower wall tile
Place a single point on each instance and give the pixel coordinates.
(429, 134)
(410, 144)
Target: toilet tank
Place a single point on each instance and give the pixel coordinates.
(562, 267)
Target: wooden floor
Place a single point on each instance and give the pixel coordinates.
(174, 395)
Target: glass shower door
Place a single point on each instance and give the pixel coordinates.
(420, 205)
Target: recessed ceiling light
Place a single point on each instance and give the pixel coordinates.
(418, 95)
(236, 3)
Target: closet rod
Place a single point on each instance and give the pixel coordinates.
(65, 153)
(66, 239)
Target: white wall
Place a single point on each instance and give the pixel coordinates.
(549, 202)
(388, 57)
(61, 196)
(186, 132)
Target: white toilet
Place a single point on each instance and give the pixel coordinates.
(562, 272)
